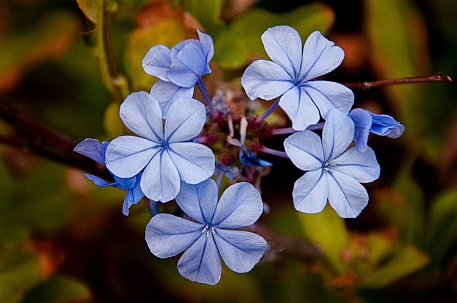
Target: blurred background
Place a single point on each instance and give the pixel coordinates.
(64, 240)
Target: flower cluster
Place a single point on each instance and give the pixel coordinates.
(172, 157)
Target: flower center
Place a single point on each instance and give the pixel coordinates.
(209, 228)
(163, 144)
(328, 166)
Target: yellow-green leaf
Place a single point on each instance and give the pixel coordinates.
(59, 289)
(112, 122)
(405, 261)
(442, 224)
(328, 231)
(92, 9)
(19, 272)
(241, 42)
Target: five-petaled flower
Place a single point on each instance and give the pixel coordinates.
(332, 173)
(164, 150)
(178, 68)
(367, 122)
(211, 234)
(95, 150)
(290, 73)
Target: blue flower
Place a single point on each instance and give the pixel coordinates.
(290, 73)
(365, 122)
(248, 158)
(163, 150)
(332, 172)
(167, 92)
(184, 64)
(95, 150)
(210, 236)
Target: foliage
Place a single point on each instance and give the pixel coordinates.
(63, 240)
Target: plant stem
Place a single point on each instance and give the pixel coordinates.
(45, 141)
(290, 130)
(273, 152)
(202, 87)
(409, 80)
(268, 112)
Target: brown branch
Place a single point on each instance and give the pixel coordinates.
(44, 141)
(409, 80)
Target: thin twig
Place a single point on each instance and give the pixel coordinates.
(44, 141)
(367, 85)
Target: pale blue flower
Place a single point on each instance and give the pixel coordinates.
(332, 172)
(95, 150)
(210, 237)
(290, 72)
(163, 150)
(367, 122)
(184, 64)
(167, 92)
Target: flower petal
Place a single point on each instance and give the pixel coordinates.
(199, 201)
(310, 192)
(320, 56)
(141, 113)
(157, 61)
(346, 195)
(240, 205)
(186, 117)
(265, 79)
(160, 180)
(188, 66)
(283, 45)
(385, 125)
(125, 183)
(305, 150)
(240, 250)
(328, 95)
(362, 122)
(126, 156)
(98, 181)
(92, 149)
(194, 162)
(337, 134)
(207, 45)
(133, 196)
(201, 262)
(361, 166)
(168, 235)
(300, 108)
(167, 92)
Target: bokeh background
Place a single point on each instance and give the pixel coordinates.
(64, 240)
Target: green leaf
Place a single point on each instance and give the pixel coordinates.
(206, 13)
(44, 202)
(241, 42)
(404, 262)
(168, 32)
(92, 9)
(11, 231)
(403, 206)
(19, 272)
(442, 227)
(398, 41)
(112, 122)
(328, 231)
(59, 289)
